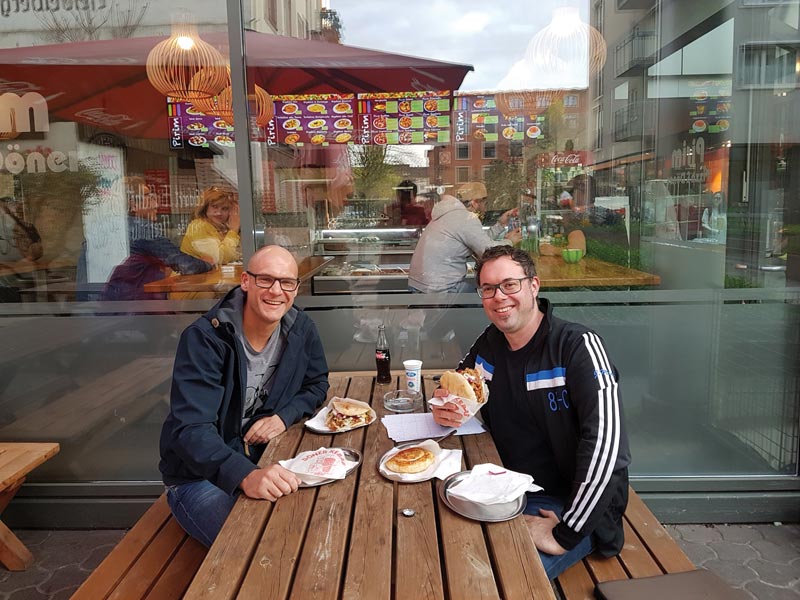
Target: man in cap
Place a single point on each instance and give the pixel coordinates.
(454, 236)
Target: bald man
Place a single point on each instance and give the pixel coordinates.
(245, 371)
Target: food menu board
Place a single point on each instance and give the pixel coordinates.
(476, 117)
(318, 119)
(710, 106)
(189, 126)
(404, 118)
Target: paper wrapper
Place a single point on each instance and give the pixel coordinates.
(446, 462)
(492, 484)
(466, 408)
(317, 422)
(318, 465)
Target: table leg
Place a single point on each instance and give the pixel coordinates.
(13, 553)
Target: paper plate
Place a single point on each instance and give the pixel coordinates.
(490, 513)
(352, 455)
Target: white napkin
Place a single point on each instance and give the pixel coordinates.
(465, 407)
(491, 484)
(318, 465)
(446, 462)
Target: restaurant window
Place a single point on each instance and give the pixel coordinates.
(685, 194)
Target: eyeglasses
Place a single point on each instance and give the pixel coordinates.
(508, 287)
(267, 281)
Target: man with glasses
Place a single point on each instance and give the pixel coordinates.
(553, 411)
(245, 371)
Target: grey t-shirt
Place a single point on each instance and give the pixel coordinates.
(261, 366)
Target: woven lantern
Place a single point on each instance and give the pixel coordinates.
(265, 107)
(185, 67)
(209, 106)
(12, 132)
(567, 43)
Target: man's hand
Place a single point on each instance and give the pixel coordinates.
(514, 236)
(447, 415)
(264, 430)
(541, 530)
(503, 220)
(269, 483)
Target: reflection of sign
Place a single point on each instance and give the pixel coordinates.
(21, 107)
(50, 6)
(566, 159)
(688, 162)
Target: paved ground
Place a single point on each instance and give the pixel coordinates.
(763, 560)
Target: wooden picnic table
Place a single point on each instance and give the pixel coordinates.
(348, 540)
(16, 461)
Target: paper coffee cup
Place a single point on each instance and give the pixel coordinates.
(413, 375)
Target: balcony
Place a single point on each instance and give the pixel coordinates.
(635, 53)
(635, 4)
(629, 123)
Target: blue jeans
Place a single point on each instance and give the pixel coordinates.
(555, 565)
(200, 508)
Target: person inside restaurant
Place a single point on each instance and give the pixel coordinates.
(405, 211)
(554, 412)
(152, 256)
(214, 232)
(217, 428)
(453, 237)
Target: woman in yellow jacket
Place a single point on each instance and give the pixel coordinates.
(214, 231)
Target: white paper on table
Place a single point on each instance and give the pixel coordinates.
(318, 465)
(492, 484)
(446, 462)
(420, 426)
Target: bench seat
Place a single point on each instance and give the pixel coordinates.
(155, 560)
(649, 550)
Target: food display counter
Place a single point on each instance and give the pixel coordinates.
(393, 241)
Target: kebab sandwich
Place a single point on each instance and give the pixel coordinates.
(465, 383)
(347, 414)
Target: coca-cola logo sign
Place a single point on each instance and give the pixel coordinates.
(566, 159)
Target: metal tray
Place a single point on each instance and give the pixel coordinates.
(491, 513)
(351, 454)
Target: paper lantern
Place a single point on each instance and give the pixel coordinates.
(185, 67)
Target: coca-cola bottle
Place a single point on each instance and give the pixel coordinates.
(382, 357)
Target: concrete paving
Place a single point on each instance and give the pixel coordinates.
(762, 560)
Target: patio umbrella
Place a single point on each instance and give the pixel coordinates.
(103, 83)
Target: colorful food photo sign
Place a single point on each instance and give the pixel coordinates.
(476, 117)
(316, 119)
(190, 127)
(404, 118)
(710, 106)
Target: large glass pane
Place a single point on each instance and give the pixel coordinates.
(106, 180)
(655, 136)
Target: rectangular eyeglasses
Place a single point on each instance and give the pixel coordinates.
(508, 287)
(267, 281)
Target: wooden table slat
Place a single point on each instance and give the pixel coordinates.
(177, 576)
(579, 585)
(17, 459)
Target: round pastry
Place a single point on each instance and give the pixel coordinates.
(410, 460)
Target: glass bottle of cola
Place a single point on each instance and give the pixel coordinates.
(382, 357)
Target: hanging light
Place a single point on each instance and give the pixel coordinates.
(209, 105)
(185, 67)
(12, 132)
(265, 107)
(567, 44)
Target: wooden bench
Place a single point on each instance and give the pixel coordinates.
(155, 560)
(649, 550)
(16, 461)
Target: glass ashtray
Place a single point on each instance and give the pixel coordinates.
(402, 401)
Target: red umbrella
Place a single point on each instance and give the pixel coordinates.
(103, 83)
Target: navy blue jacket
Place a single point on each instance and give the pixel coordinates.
(202, 437)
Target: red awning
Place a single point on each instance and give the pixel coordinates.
(103, 83)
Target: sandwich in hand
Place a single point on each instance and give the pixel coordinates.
(465, 383)
(346, 414)
(410, 460)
